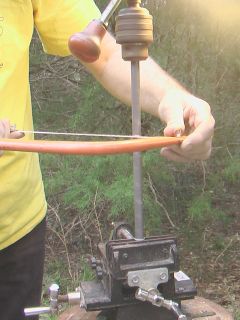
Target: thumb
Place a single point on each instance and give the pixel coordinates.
(175, 127)
(171, 111)
(16, 135)
(174, 119)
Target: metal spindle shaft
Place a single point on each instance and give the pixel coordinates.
(137, 157)
(134, 32)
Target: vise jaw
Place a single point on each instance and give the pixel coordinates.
(125, 265)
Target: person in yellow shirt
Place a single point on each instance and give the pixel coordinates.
(22, 199)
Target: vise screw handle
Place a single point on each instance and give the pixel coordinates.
(156, 299)
(52, 309)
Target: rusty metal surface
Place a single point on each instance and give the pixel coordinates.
(203, 309)
(76, 313)
(196, 309)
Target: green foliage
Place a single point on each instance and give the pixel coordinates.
(201, 209)
(54, 274)
(120, 195)
(48, 317)
(86, 271)
(219, 243)
(237, 315)
(102, 182)
(232, 171)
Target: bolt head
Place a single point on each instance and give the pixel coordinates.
(125, 256)
(163, 276)
(182, 317)
(157, 299)
(135, 280)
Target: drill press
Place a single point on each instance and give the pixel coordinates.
(134, 32)
(132, 269)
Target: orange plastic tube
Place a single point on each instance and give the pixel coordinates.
(89, 148)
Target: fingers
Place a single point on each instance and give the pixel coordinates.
(192, 152)
(202, 133)
(172, 114)
(8, 132)
(197, 146)
(189, 115)
(16, 135)
(4, 128)
(170, 154)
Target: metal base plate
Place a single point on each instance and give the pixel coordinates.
(196, 309)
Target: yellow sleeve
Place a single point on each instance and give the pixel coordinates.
(57, 20)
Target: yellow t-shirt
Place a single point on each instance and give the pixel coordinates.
(22, 200)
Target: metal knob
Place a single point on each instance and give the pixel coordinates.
(86, 45)
(52, 309)
(156, 299)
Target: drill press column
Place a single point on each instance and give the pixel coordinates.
(134, 31)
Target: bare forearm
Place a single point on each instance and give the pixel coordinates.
(115, 75)
(162, 96)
